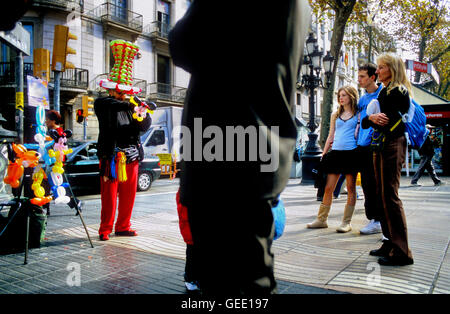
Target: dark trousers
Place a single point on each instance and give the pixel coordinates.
(425, 164)
(388, 165)
(190, 269)
(372, 205)
(233, 240)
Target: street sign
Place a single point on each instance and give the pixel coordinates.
(422, 67)
(18, 38)
(37, 92)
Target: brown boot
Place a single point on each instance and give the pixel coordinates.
(321, 220)
(348, 213)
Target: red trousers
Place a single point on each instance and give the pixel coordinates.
(126, 192)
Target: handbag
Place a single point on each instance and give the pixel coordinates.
(279, 217)
(132, 153)
(377, 142)
(141, 152)
(379, 138)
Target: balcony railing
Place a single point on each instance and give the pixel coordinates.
(161, 91)
(142, 84)
(60, 4)
(157, 29)
(8, 72)
(94, 84)
(112, 13)
(71, 78)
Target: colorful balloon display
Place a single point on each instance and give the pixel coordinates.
(121, 75)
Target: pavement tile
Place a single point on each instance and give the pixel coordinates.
(306, 261)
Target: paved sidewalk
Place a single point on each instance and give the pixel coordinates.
(306, 261)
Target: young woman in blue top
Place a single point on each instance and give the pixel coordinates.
(341, 158)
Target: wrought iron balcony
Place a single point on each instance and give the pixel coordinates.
(66, 5)
(71, 78)
(117, 16)
(8, 73)
(157, 30)
(142, 84)
(166, 92)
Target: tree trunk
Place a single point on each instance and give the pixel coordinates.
(422, 46)
(444, 92)
(341, 18)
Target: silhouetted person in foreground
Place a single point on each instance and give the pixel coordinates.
(243, 58)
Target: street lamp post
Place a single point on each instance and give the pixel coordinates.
(311, 68)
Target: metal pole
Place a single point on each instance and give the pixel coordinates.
(27, 236)
(311, 156)
(56, 91)
(369, 57)
(85, 129)
(78, 211)
(19, 97)
(407, 161)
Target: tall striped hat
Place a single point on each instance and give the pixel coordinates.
(121, 76)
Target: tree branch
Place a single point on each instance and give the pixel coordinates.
(440, 54)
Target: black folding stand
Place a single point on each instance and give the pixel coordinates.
(17, 201)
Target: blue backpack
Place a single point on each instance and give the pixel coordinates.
(415, 121)
(279, 217)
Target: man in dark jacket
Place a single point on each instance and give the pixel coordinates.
(243, 58)
(119, 133)
(426, 153)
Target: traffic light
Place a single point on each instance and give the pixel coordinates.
(61, 50)
(41, 60)
(85, 101)
(80, 116)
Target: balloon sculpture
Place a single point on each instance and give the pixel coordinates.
(141, 109)
(38, 190)
(42, 148)
(25, 159)
(121, 76)
(59, 150)
(49, 157)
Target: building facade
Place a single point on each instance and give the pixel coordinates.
(96, 23)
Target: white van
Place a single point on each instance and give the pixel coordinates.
(160, 138)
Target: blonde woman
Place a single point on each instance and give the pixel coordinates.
(394, 101)
(341, 159)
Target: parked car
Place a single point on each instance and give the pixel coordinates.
(82, 168)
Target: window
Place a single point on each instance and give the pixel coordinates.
(158, 138)
(163, 74)
(88, 27)
(29, 28)
(163, 17)
(163, 69)
(111, 58)
(118, 10)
